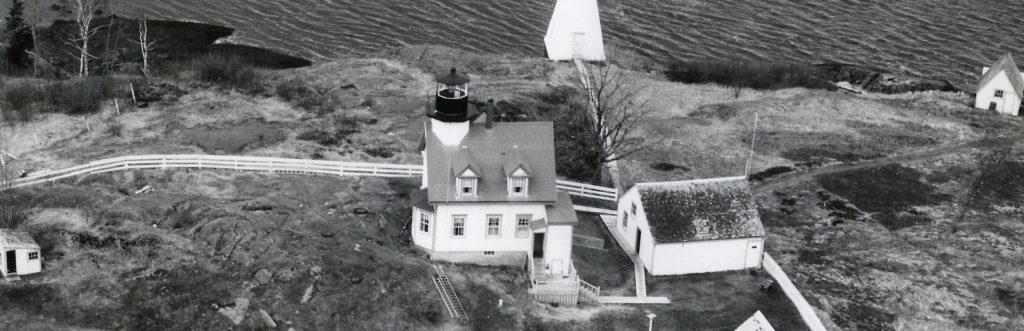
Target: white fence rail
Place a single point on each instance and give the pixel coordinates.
(806, 311)
(587, 190)
(266, 164)
(238, 163)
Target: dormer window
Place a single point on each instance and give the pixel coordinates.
(466, 183)
(518, 183)
(467, 186)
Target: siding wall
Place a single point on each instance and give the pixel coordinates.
(558, 248)
(1008, 104)
(638, 221)
(24, 266)
(706, 256)
(440, 238)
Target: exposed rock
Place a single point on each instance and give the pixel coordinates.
(355, 280)
(264, 276)
(877, 80)
(308, 295)
(237, 313)
(284, 275)
(269, 321)
(326, 234)
(360, 211)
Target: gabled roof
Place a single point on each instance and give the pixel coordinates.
(463, 161)
(487, 150)
(562, 212)
(1004, 64)
(514, 160)
(15, 239)
(709, 209)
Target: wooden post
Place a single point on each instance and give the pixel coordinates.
(132, 87)
(117, 106)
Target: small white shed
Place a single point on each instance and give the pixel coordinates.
(1001, 87)
(689, 227)
(20, 252)
(575, 32)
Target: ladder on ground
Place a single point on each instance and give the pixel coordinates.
(448, 296)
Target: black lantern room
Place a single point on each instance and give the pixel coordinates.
(452, 98)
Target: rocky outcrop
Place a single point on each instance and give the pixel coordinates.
(114, 46)
(880, 81)
(237, 313)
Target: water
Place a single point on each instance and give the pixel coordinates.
(949, 39)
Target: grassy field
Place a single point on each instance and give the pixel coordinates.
(927, 244)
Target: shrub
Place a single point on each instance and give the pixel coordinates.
(306, 97)
(755, 75)
(20, 98)
(229, 72)
(84, 96)
(76, 97)
(13, 208)
(114, 128)
(577, 151)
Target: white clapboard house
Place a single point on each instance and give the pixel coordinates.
(488, 192)
(1001, 87)
(689, 227)
(575, 32)
(20, 254)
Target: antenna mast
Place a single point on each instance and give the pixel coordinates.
(746, 172)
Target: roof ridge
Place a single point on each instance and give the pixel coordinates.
(1004, 63)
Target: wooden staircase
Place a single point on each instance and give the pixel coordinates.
(589, 292)
(448, 296)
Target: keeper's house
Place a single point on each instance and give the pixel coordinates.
(1001, 87)
(20, 254)
(488, 193)
(690, 227)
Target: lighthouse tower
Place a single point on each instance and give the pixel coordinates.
(452, 111)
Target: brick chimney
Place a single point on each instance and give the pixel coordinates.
(489, 121)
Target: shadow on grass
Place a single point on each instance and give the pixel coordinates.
(889, 192)
(722, 300)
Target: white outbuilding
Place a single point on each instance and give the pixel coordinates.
(20, 254)
(1001, 87)
(689, 227)
(575, 32)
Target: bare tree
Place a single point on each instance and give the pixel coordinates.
(83, 11)
(616, 110)
(12, 211)
(145, 45)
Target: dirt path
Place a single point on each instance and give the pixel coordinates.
(789, 179)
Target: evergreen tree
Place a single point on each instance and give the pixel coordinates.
(19, 35)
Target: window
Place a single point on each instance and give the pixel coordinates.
(625, 219)
(424, 222)
(33, 255)
(517, 186)
(523, 226)
(634, 209)
(493, 226)
(488, 252)
(999, 93)
(467, 186)
(459, 226)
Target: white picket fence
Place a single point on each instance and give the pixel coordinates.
(268, 165)
(237, 163)
(587, 190)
